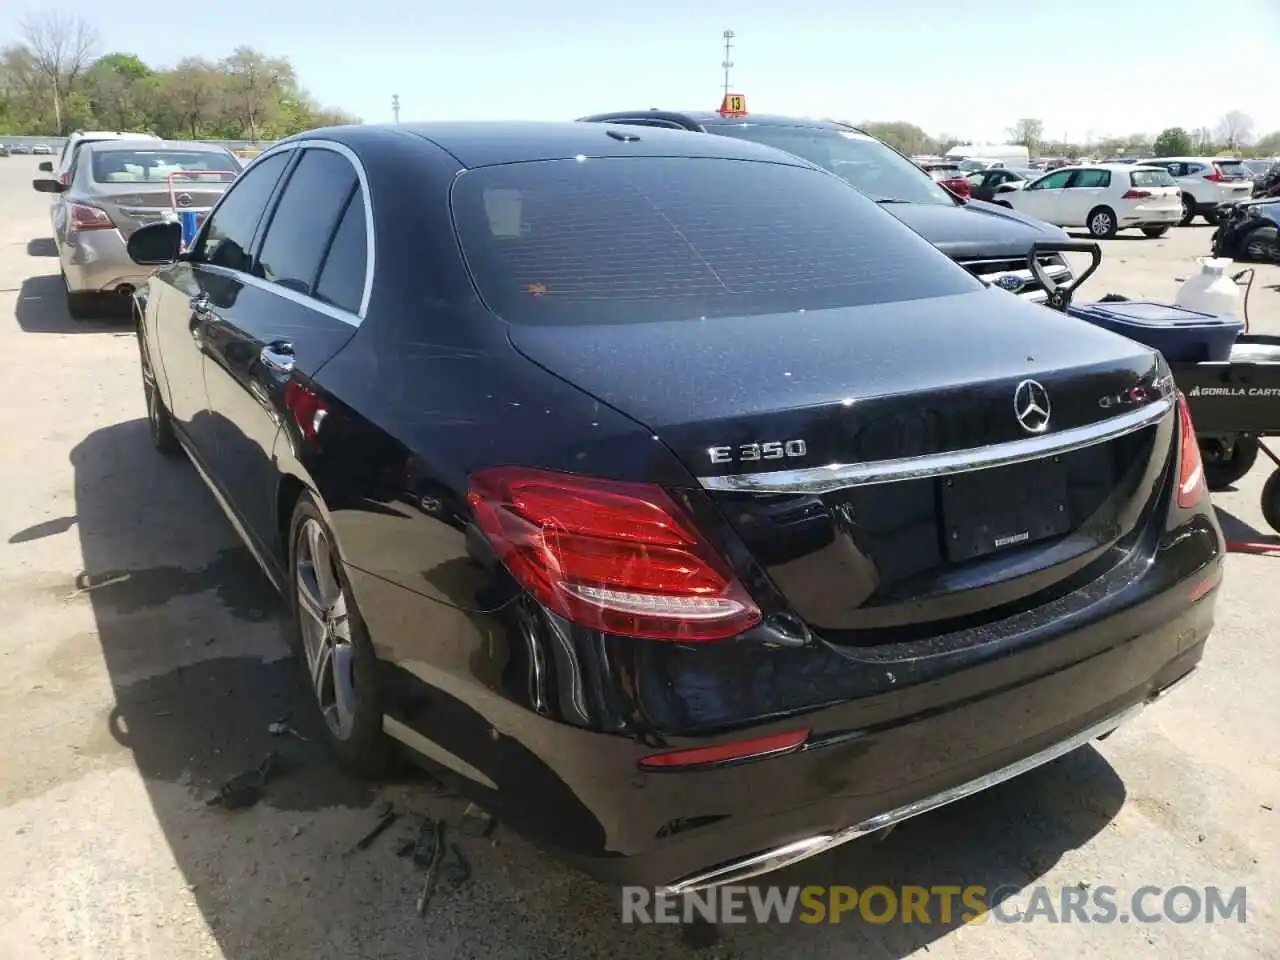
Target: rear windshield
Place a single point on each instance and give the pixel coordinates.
(1152, 178)
(1234, 170)
(631, 240)
(865, 162)
(155, 166)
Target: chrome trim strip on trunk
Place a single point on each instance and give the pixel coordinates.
(838, 476)
(794, 852)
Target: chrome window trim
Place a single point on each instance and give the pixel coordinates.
(285, 293)
(838, 476)
(337, 313)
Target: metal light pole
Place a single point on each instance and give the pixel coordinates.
(395, 106)
(727, 64)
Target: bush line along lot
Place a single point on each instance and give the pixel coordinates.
(142, 668)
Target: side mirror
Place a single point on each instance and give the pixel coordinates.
(156, 244)
(46, 166)
(45, 185)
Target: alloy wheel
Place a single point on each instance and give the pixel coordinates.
(326, 629)
(1100, 225)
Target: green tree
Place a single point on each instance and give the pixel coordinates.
(1269, 145)
(120, 89)
(904, 137)
(256, 86)
(1173, 142)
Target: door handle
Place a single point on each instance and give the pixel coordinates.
(277, 356)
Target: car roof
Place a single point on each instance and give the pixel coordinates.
(482, 144)
(1211, 158)
(704, 117)
(104, 146)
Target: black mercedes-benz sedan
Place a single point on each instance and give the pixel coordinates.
(686, 508)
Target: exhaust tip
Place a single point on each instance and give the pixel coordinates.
(125, 290)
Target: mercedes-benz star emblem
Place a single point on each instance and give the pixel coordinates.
(184, 199)
(1031, 406)
(1009, 282)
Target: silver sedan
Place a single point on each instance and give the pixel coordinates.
(116, 186)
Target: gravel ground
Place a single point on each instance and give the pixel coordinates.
(142, 666)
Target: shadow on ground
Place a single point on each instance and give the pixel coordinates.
(42, 247)
(42, 308)
(1233, 528)
(189, 635)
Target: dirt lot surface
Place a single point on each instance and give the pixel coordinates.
(141, 666)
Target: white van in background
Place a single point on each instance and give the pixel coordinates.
(984, 156)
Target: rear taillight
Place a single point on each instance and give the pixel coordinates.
(85, 217)
(618, 557)
(1217, 176)
(735, 751)
(1136, 195)
(1190, 467)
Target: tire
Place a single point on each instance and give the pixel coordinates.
(1155, 233)
(1188, 211)
(163, 437)
(1271, 501)
(1211, 218)
(1260, 245)
(332, 636)
(1102, 223)
(1225, 464)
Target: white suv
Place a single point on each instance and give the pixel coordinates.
(1206, 182)
(81, 137)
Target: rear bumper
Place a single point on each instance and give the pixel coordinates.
(98, 261)
(879, 777)
(737, 871)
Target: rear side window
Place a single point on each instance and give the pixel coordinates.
(1152, 178)
(1092, 178)
(341, 280)
(630, 240)
(227, 240)
(1234, 170)
(305, 219)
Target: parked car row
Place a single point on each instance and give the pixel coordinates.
(672, 499)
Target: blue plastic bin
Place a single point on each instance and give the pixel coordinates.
(1183, 336)
(190, 221)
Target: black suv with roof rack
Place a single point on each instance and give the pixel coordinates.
(991, 242)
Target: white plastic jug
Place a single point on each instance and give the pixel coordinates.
(1210, 290)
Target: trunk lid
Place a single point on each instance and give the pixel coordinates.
(897, 395)
(133, 205)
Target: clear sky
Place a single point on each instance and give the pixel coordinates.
(966, 67)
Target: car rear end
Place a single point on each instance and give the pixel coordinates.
(951, 176)
(1225, 181)
(882, 537)
(119, 187)
(1151, 198)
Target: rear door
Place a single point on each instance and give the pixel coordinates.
(302, 302)
(1086, 190)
